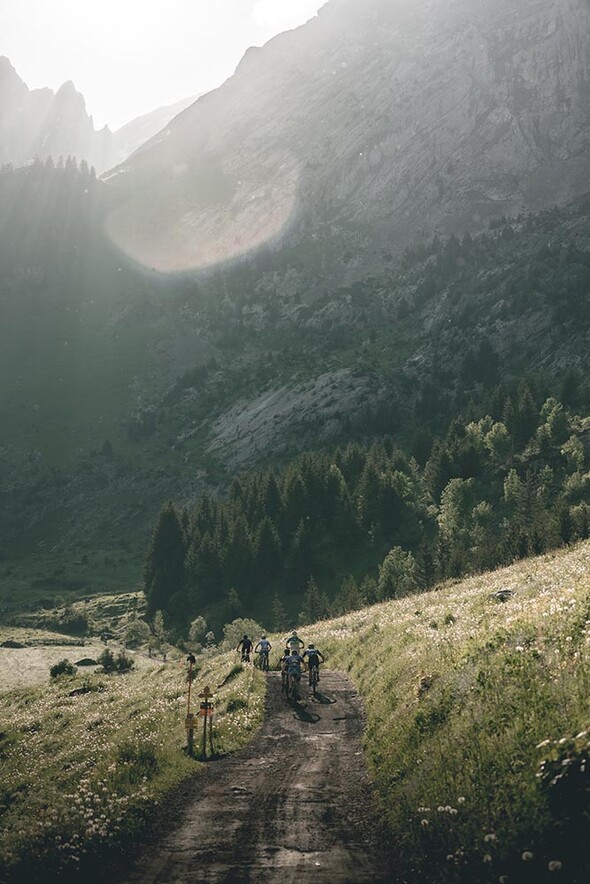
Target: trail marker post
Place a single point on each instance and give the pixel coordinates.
(190, 718)
(206, 712)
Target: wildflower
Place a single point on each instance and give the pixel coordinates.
(527, 856)
(487, 858)
(555, 865)
(424, 824)
(461, 800)
(490, 837)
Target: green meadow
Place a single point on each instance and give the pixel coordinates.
(477, 733)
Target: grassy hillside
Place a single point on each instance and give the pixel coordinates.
(86, 760)
(478, 732)
(478, 715)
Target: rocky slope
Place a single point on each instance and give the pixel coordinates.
(374, 122)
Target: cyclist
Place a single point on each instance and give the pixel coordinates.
(314, 658)
(294, 642)
(293, 664)
(246, 647)
(282, 663)
(263, 647)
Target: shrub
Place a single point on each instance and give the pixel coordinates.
(124, 662)
(233, 632)
(121, 663)
(64, 667)
(107, 660)
(197, 631)
(137, 633)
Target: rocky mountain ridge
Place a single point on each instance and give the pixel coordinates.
(43, 123)
(377, 123)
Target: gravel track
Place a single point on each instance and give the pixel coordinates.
(294, 806)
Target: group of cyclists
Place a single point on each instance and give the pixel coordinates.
(292, 661)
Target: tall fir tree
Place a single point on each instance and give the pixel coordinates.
(165, 574)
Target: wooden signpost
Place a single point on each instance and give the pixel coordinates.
(205, 712)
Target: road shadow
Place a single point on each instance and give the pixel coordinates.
(322, 699)
(302, 714)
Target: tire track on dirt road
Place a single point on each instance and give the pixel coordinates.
(293, 806)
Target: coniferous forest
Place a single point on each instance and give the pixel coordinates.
(332, 532)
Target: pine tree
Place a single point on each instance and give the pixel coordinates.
(312, 602)
(267, 550)
(278, 614)
(301, 558)
(165, 573)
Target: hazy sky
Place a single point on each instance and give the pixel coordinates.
(128, 57)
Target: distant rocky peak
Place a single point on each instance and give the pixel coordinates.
(42, 123)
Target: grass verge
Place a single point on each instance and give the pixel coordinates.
(478, 734)
(85, 760)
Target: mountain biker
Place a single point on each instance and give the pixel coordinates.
(294, 642)
(293, 665)
(263, 647)
(314, 658)
(246, 646)
(282, 663)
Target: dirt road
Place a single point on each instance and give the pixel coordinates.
(294, 806)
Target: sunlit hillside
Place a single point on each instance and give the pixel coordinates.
(477, 734)
(479, 719)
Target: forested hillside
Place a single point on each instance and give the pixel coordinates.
(121, 389)
(336, 531)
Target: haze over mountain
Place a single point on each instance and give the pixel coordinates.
(375, 122)
(330, 149)
(42, 123)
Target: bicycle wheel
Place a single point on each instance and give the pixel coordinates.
(314, 680)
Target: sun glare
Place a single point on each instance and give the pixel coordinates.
(187, 230)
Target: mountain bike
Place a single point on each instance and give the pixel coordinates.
(314, 677)
(263, 661)
(292, 687)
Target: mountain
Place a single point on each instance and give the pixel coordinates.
(132, 135)
(370, 126)
(122, 387)
(42, 123)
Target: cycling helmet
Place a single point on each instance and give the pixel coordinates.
(263, 636)
(311, 645)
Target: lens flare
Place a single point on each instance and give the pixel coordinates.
(202, 216)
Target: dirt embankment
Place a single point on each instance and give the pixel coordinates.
(295, 806)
